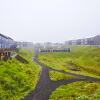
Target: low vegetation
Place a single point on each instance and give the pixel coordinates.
(81, 60)
(54, 76)
(84, 60)
(18, 79)
(77, 91)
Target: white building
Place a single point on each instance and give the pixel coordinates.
(24, 44)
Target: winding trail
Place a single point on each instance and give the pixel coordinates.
(46, 86)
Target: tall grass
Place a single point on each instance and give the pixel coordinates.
(77, 91)
(18, 79)
(54, 76)
(81, 60)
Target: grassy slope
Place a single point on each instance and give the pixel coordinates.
(54, 76)
(77, 91)
(18, 79)
(82, 60)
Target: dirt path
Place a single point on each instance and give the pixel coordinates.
(46, 86)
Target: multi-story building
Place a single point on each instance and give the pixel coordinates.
(24, 44)
(88, 41)
(96, 40)
(6, 42)
(7, 45)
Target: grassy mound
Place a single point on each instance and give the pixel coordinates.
(54, 76)
(81, 60)
(77, 91)
(18, 79)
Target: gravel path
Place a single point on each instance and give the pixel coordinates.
(46, 86)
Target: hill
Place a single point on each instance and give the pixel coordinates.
(16, 78)
(82, 60)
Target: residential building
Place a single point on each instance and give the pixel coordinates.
(24, 44)
(6, 42)
(88, 41)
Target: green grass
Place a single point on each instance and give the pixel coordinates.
(18, 79)
(54, 76)
(82, 60)
(26, 53)
(77, 91)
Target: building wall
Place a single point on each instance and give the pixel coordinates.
(88, 41)
(24, 44)
(6, 42)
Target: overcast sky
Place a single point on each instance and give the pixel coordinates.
(49, 20)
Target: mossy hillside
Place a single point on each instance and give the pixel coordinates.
(54, 76)
(77, 91)
(18, 79)
(26, 53)
(81, 60)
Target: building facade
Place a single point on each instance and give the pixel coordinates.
(88, 41)
(24, 44)
(6, 42)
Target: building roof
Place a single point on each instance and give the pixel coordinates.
(5, 36)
